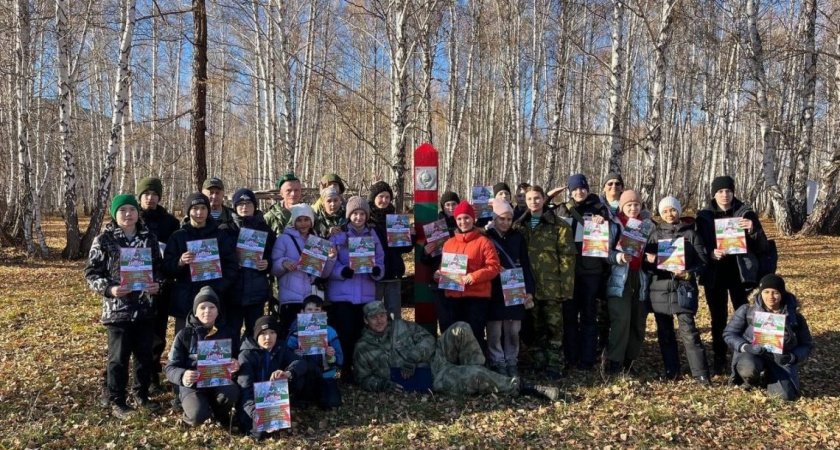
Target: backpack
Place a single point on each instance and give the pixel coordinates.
(768, 260)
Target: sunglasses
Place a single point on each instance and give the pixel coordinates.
(614, 183)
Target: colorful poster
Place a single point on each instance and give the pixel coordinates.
(214, 358)
(634, 236)
(398, 227)
(316, 251)
(731, 238)
(453, 267)
(207, 265)
(481, 196)
(362, 253)
(312, 333)
(250, 247)
(136, 268)
(596, 239)
(769, 331)
(437, 233)
(670, 255)
(513, 286)
(272, 406)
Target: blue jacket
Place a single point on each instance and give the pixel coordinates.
(319, 360)
(797, 341)
(619, 272)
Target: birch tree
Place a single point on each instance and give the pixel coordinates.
(616, 112)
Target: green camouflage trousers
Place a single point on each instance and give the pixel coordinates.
(548, 334)
(458, 366)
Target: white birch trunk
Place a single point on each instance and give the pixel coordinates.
(616, 139)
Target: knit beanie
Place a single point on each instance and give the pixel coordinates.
(464, 208)
(122, 200)
(724, 182)
(301, 210)
(265, 323)
(627, 197)
(576, 181)
(206, 294)
(501, 186)
(355, 203)
(149, 184)
(244, 195)
(613, 176)
(772, 282)
(670, 202)
(378, 188)
(333, 178)
(286, 177)
(501, 207)
(196, 198)
(329, 191)
(447, 197)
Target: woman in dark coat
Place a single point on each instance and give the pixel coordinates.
(780, 371)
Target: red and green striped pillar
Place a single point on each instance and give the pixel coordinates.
(425, 211)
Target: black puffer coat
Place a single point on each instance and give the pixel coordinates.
(183, 355)
(591, 205)
(160, 223)
(663, 285)
(252, 286)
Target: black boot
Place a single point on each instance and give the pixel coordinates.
(536, 390)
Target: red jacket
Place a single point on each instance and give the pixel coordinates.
(482, 262)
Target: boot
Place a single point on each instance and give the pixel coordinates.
(536, 390)
(719, 365)
(512, 369)
(104, 399)
(499, 367)
(121, 411)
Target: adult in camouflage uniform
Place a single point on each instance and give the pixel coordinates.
(278, 215)
(551, 250)
(456, 359)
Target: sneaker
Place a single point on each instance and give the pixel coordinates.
(176, 405)
(121, 411)
(719, 366)
(535, 390)
(143, 402)
(703, 380)
(104, 399)
(156, 388)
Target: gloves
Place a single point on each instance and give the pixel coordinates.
(784, 359)
(376, 271)
(347, 273)
(753, 350)
(407, 369)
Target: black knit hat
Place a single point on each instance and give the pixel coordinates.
(244, 195)
(196, 198)
(500, 186)
(449, 196)
(149, 184)
(206, 294)
(265, 323)
(378, 188)
(724, 182)
(613, 176)
(772, 282)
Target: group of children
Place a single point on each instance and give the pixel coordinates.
(574, 300)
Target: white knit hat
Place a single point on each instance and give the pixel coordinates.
(299, 210)
(671, 202)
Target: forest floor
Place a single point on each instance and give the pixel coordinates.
(52, 348)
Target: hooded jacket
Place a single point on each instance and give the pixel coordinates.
(160, 223)
(361, 287)
(296, 285)
(183, 355)
(575, 213)
(103, 272)
(746, 264)
(663, 285)
(482, 262)
(256, 365)
(184, 289)
(252, 286)
(552, 253)
(797, 340)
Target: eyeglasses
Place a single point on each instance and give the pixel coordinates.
(613, 183)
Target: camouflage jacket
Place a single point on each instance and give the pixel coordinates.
(551, 248)
(103, 272)
(277, 218)
(402, 344)
(324, 222)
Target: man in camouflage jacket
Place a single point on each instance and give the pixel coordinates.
(457, 361)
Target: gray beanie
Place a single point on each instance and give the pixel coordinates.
(206, 294)
(670, 202)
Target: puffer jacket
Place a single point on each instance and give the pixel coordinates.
(663, 285)
(482, 262)
(576, 213)
(319, 361)
(183, 355)
(401, 344)
(619, 272)
(160, 223)
(256, 365)
(295, 285)
(747, 264)
(797, 340)
(552, 252)
(361, 287)
(103, 272)
(184, 289)
(252, 286)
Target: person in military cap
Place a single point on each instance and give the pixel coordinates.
(214, 189)
(291, 193)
